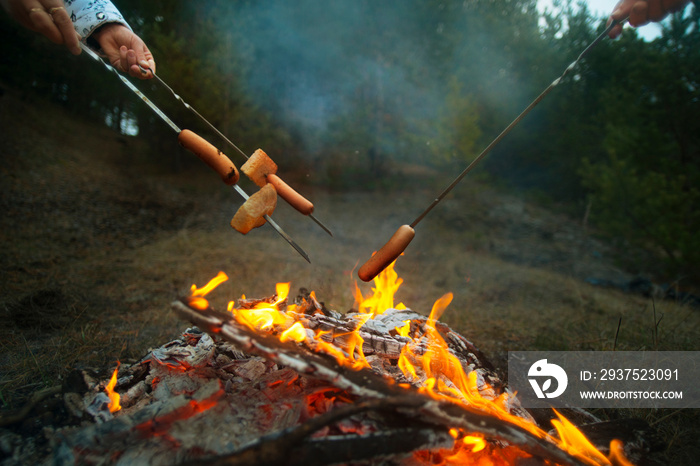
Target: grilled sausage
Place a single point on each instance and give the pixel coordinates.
(210, 155)
(387, 254)
(287, 193)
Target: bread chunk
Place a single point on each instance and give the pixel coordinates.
(251, 214)
(258, 166)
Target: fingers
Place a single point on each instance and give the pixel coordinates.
(620, 12)
(141, 63)
(126, 51)
(126, 60)
(52, 21)
(121, 62)
(644, 12)
(148, 57)
(137, 62)
(635, 10)
(615, 31)
(62, 21)
(641, 12)
(41, 21)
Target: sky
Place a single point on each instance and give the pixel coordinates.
(603, 8)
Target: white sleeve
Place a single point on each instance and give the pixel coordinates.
(88, 15)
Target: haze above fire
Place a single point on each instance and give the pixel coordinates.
(399, 65)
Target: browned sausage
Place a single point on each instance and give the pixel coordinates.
(209, 155)
(287, 193)
(387, 254)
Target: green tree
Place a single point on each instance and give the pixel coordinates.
(453, 135)
(644, 192)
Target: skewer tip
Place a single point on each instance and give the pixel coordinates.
(319, 223)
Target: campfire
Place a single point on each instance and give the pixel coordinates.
(282, 381)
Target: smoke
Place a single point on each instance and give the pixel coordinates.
(371, 77)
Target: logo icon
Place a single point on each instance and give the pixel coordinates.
(542, 369)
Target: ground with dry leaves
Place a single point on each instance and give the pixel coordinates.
(100, 233)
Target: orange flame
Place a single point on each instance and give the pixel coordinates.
(573, 441)
(197, 300)
(617, 454)
(296, 332)
(114, 397)
(279, 317)
(264, 316)
(404, 329)
(385, 286)
(282, 291)
(354, 342)
(434, 369)
(475, 442)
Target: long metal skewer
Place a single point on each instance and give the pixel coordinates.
(216, 130)
(405, 234)
(274, 225)
(507, 130)
(175, 128)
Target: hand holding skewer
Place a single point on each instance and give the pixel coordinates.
(120, 45)
(125, 50)
(641, 12)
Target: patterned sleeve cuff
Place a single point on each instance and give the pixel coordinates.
(89, 15)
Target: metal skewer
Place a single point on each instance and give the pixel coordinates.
(177, 129)
(405, 234)
(274, 225)
(517, 120)
(216, 130)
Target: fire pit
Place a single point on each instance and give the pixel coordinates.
(281, 381)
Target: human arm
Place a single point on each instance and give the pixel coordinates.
(641, 12)
(97, 22)
(101, 22)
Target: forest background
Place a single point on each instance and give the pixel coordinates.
(359, 90)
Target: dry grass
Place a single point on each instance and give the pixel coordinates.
(93, 252)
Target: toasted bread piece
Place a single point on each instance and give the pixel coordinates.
(258, 166)
(250, 214)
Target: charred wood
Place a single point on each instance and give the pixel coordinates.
(368, 384)
(295, 446)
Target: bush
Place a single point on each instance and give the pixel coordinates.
(654, 210)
